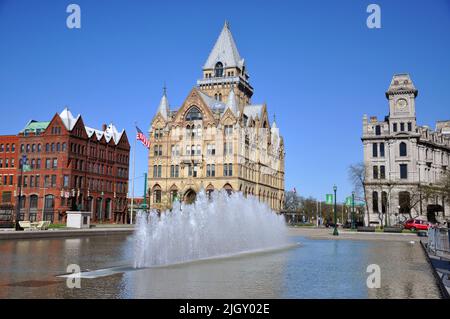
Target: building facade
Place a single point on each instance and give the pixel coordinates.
(404, 162)
(217, 139)
(68, 166)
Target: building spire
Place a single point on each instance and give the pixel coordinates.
(164, 108)
(232, 102)
(224, 51)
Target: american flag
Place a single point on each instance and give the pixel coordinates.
(140, 136)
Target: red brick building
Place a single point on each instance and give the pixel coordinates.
(71, 166)
(9, 160)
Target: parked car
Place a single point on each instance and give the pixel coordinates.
(416, 224)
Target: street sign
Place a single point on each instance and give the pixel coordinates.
(329, 199)
(348, 201)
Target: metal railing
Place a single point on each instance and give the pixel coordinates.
(439, 240)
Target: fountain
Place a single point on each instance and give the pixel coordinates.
(220, 226)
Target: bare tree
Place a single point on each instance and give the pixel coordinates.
(357, 176)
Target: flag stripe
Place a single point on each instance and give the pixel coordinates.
(141, 137)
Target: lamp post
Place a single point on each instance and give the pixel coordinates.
(353, 210)
(24, 160)
(335, 231)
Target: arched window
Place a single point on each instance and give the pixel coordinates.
(193, 114)
(375, 202)
(157, 194)
(403, 151)
(218, 70)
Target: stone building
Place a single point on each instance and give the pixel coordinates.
(69, 166)
(217, 139)
(404, 161)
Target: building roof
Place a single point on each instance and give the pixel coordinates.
(163, 107)
(232, 103)
(400, 84)
(253, 110)
(68, 119)
(212, 103)
(33, 126)
(224, 51)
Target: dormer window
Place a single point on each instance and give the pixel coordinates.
(218, 70)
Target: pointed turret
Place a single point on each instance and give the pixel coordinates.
(232, 102)
(163, 108)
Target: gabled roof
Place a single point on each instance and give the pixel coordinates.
(68, 119)
(224, 51)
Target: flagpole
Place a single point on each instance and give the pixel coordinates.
(132, 181)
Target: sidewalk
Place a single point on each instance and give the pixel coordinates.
(441, 269)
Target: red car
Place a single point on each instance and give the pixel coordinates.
(417, 224)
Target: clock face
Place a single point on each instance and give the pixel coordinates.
(402, 104)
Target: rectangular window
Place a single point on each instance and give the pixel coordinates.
(46, 181)
(53, 180)
(409, 126)
(66, 181)
(382, 172)
(381, 149)
(227, 148)
(155, 171)
(403, 171)
(13, 163)
(378, 130)
(48, 163)
(11, 179)
(55, 163)
(375, 150)
(375, 172)
(25, 181)
(7, 163)
(38, 163)
(37, 181)
(6, 197)
(394, 127)
(213, 170)
(159, 170)
(402, 127)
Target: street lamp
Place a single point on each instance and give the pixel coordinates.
(335, 231)
(353, 210)
(24, 160)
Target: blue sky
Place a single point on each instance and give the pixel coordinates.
(315, 63)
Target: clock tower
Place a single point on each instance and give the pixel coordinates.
(402, 108)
